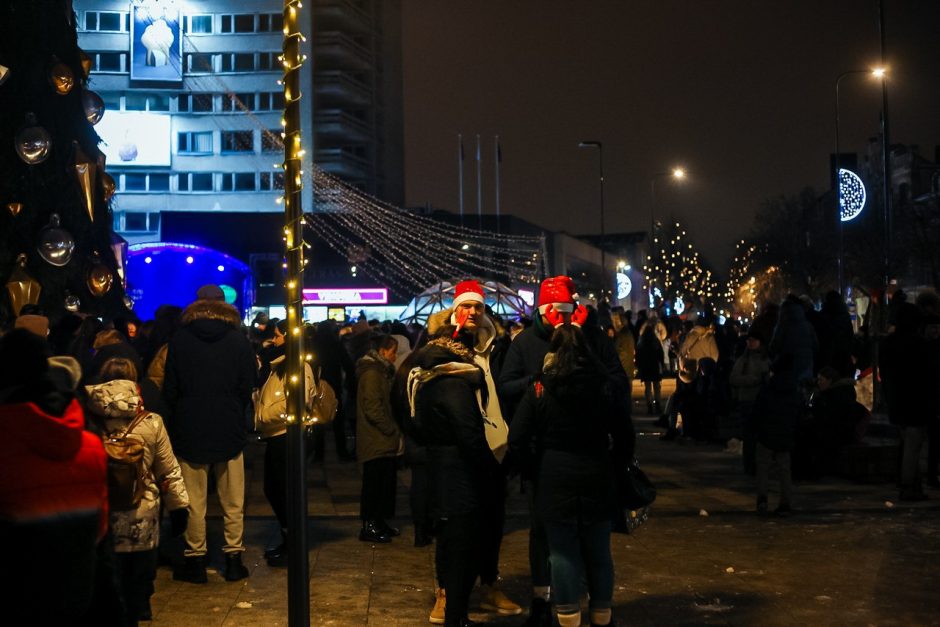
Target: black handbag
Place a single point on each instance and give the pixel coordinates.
(634, 488)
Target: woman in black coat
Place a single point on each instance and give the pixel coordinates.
(649, 365)
(446, 392)
(564, 426)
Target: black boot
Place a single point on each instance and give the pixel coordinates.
(234, 569)
(371, 532)
(540, 614)
(387, 529)
(193, 570)
(422, 536)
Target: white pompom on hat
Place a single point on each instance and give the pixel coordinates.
(468, 291)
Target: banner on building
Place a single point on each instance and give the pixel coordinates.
(156, 43)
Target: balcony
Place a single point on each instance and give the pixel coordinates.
(341, 15)
(337, 87)
(343, 163)
(339, 127)
(339, 51)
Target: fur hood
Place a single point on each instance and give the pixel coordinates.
(486, 334)
(211, 310)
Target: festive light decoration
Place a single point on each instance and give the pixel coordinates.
(852, 195)
(749, 286)
(675, 268)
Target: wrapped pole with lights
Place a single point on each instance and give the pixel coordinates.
(298, 576)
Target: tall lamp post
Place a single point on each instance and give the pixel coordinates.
(878, 73)
(677, 174)
(600, 161)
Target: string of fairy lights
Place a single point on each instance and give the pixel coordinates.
(674, 269)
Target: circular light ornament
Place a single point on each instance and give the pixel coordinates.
(678, 306)
(852, 195)
(624, 285)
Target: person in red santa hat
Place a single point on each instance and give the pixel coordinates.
(491, 340)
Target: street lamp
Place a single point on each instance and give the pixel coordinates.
(878, 73)
(600, 161)
(677, 174)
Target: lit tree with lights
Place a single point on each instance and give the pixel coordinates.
(674, 270)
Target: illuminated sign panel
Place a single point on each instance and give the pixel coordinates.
(156, 43)
(135, 138)
(345, 296)
(852, 195)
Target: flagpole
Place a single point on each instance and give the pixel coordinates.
(479, 189)
(460, 173)
(499, 159)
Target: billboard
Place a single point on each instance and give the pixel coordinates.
(135, 138)
(156, 43)
(345, 296)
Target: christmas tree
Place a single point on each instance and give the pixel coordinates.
(57, 248)
(674, 271)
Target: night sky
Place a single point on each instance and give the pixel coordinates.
(740, 93)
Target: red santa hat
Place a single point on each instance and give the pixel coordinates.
(468, 291)
(559, 292)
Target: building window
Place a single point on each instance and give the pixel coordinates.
(270, 22)
(107, 21)
(271, 101)
(237, 103)
(136, 221)
(158, 182)
(199, 63)
(271, 181)
(271, 141)
(199, 24)
(195, 103)
(202, 182)
(195, 143)
(135, 101)
(135, 182)
(237, 182)
(109, 61)
(237, 62)
(268, 61)
(238, 141)
(242, 23)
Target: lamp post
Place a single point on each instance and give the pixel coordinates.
(675, 173)
(878, 73)
(600, 160)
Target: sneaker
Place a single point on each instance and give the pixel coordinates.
(193, 570)
(440, 605)
(234, 569)
(495, 600)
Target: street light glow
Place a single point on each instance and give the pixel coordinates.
(879, 72)
(678, 173)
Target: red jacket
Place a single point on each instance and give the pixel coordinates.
(53, 510)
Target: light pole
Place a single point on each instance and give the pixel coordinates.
(878, 73)
(677, 174)
(600, 162)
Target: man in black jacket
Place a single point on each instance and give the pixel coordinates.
(210, 374)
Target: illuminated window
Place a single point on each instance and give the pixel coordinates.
(199, 24)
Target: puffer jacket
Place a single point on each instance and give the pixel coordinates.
(114, 405)
(210, 374)
(699, 344)
(447, 408)
(271, 404)
(377, 433)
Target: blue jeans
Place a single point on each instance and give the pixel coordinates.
(580, 550)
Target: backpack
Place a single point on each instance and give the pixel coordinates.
(126, 477)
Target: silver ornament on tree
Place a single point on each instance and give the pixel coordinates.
(128, 302)
(72, 303)
(55, 243)
(93, 106)
(33, 143)
(119, 246)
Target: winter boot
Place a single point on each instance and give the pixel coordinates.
(371, 532)
(193, 570)
(494, 599)
(440, 607)
(234, 569)
(540, 614)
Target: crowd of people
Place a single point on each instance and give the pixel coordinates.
(122, 429)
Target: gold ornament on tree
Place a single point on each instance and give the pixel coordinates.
(85, 60)
(4, 73)
(15, 208)
(61, 77)
(23, 289)
(108, 186)
(72, 303)
(33, 143)
(85, 170)
(93, 106)
(99, 277)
